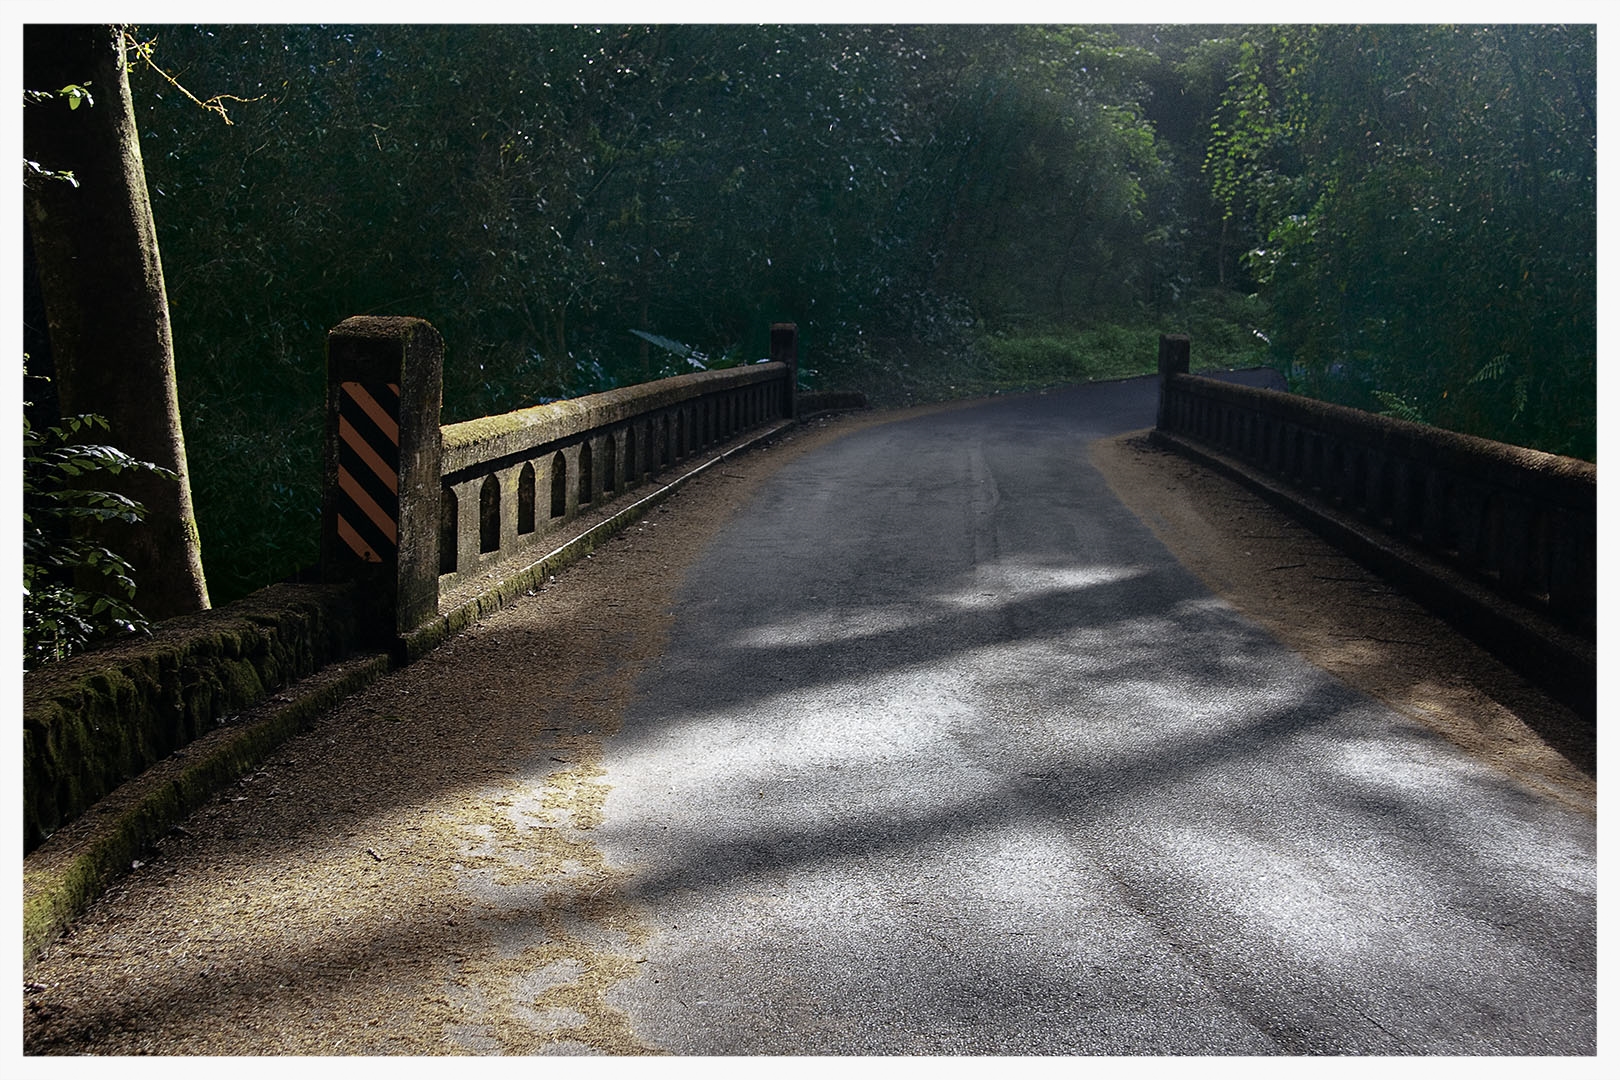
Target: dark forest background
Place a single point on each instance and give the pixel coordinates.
(1399, 218)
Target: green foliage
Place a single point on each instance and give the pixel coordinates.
(1033, 360)
(1247, 131)
(1228, 329)
(1424, 204)
(540, 192)
(943, 210)
(1037, 356)
(75, 591)
(76, 95)
(1399, 407)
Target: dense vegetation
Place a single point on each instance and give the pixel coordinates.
(1402, 218)
(1423, 209)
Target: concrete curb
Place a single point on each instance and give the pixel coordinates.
(1561, 662)
(67, 873)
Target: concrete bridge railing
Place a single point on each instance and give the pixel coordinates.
(1517, 523)
(416, 511)
(510, 480)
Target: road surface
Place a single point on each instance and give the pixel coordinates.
(948, 755)
(907, 739)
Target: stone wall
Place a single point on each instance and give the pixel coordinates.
(95, 720)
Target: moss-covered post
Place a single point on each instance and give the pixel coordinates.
(785, 347)
(1175, 358)
(380, 512)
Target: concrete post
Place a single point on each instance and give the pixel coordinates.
(380, 509)
(785, 347)
(1175, 358)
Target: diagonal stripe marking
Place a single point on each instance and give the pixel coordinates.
(384, 471)
(379, 517)
(360, 547)
(373, 408)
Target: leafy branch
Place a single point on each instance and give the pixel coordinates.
(76, 95)
(215, 104)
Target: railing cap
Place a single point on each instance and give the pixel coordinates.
(473, 442)
(1435, 443)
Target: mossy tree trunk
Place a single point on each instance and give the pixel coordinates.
(105, 305)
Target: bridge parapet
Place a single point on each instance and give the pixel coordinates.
(510, 480)
(417, 511)
(1516, 523)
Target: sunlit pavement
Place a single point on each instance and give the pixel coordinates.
(948, 755)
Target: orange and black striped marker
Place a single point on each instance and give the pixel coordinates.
(368, 469)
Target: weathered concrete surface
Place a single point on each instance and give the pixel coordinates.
(97, 719)
(948, 755)
(472, 442)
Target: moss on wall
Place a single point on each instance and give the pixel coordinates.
(98, 719)
(62, 877)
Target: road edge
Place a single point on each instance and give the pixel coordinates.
(1451, 686)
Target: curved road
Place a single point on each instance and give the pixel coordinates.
(948, 755)
(933, 749)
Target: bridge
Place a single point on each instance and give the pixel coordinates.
(887, 737)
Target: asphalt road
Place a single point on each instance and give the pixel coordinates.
(948, 755)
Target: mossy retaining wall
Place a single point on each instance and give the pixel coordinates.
(63, 876)
(98, 719)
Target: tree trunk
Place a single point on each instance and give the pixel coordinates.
(97, 255)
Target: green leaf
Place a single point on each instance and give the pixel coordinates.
(77, 95)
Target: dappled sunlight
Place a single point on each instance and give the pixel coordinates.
(1009, 754)
(1280, 898)
(1406, 773)
(1081, 786)
(1010, 581)
(1402, 866)
(993, 586)
(1456, 707)
(828, 627)
(1049, 623)
(835, 753)
(854, 719)
(392, 924)
(864, 700)
(1413, 793)
(890, 753)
